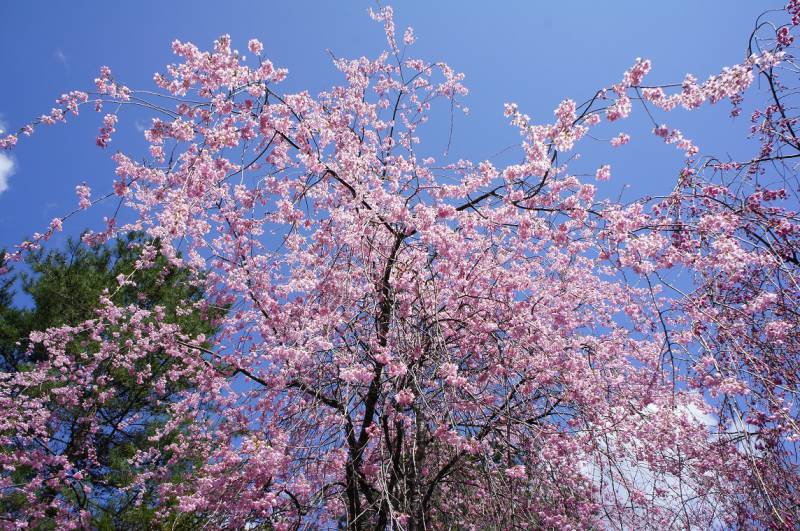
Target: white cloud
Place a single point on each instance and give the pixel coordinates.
(616, 472)
(696, 414)
(7, 168)
(60, 56)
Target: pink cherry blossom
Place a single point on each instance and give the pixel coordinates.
(255, 46)
(603, 173)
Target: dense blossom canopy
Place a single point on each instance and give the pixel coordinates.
(416, 343)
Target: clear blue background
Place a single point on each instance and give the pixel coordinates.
(533, 53)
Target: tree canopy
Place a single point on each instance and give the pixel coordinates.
(414, 342)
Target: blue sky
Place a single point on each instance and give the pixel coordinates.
(533, 53)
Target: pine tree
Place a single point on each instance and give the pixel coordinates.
(64, 287)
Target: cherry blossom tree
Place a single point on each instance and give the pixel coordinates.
(419, 344)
